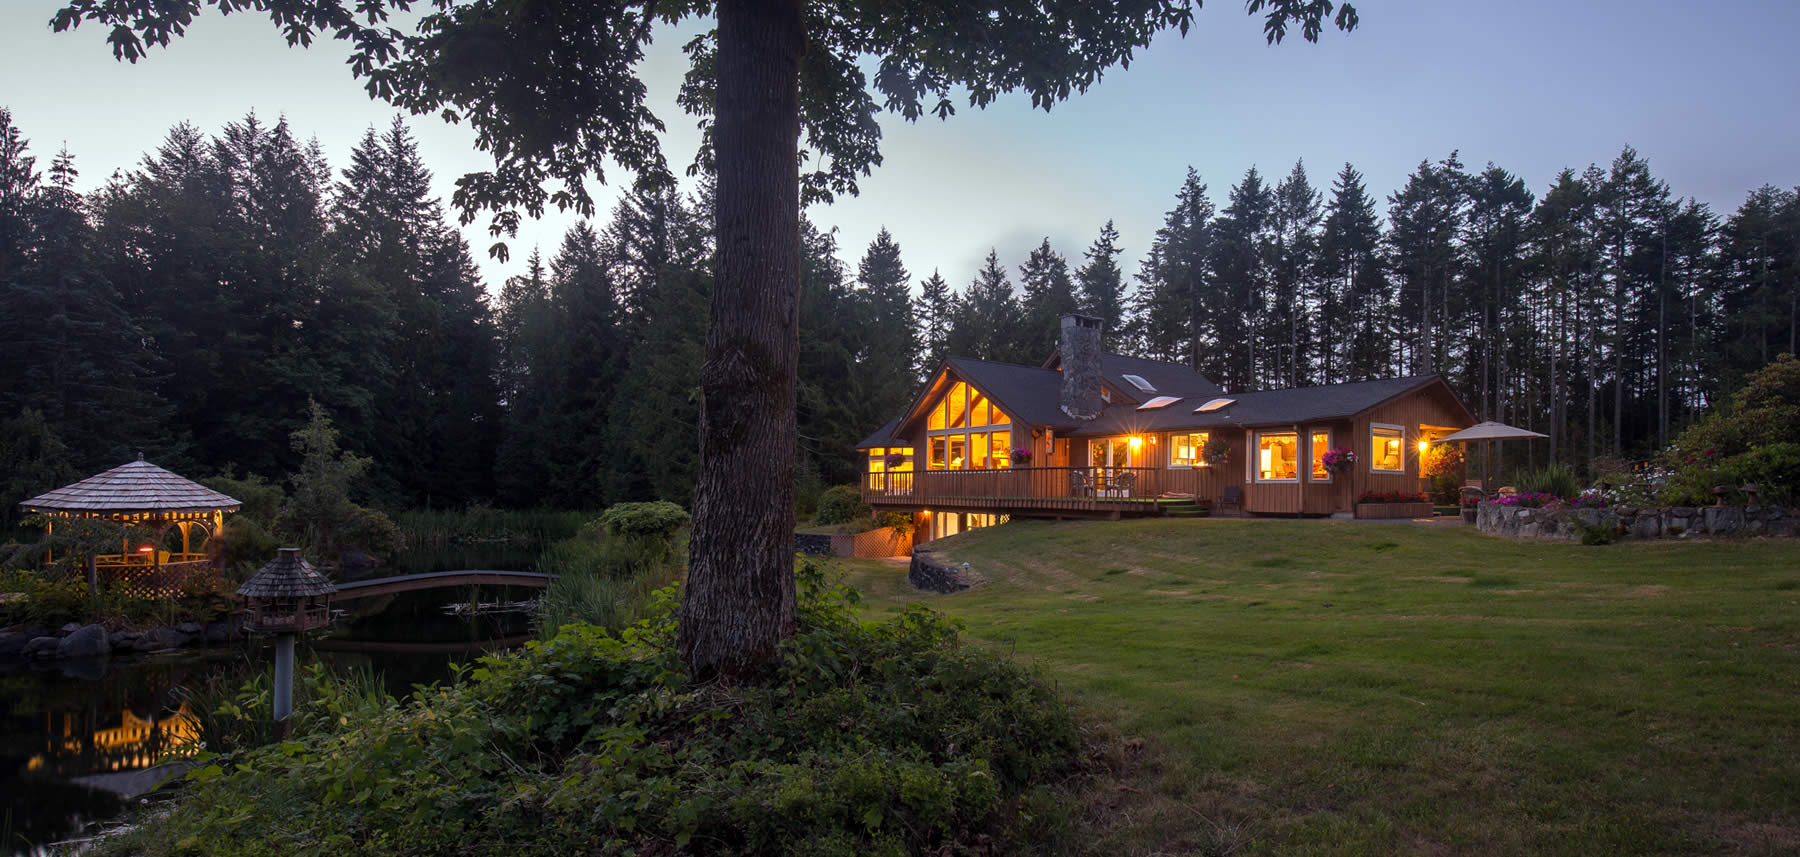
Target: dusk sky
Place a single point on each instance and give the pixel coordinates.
(1705, 91)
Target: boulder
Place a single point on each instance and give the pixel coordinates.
(40, 648)
(12, 643)
(189, 628)
(71, 628)
(88, 641)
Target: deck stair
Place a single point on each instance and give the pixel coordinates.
(1187, 509)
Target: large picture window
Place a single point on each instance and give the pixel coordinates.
(958, 434)
(1277, 456)
(1387, 449)
(1321, 444)
(1188, 450)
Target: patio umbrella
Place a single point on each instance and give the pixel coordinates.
(1489, 431)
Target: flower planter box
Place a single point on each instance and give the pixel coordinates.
(1468, 514)
(1394, 510)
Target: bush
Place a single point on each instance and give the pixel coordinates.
(1555, 479)
(658, 519)
(841, 505)
(1392, 497)
(881, 739)
(1774, 469)
(262, 500)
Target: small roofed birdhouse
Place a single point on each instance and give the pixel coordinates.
(287, 596)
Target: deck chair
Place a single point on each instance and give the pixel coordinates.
(1078, 483)
(1122, 483)
(1233, 499)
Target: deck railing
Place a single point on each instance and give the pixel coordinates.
(1047, 488)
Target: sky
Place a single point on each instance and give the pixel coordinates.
(1706, 91)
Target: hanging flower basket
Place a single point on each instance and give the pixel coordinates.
(1021, 456)
(1339, 461)
(1216, 452)
(895, 459)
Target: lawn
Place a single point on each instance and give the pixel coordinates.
(1349, 688)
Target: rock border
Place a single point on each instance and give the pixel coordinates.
(76, 641)
(1626, 522)
(932, 573)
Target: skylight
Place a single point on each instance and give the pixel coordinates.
(1213, 405)
(1139, 382)
(1159, 402)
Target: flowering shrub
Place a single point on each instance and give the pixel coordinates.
(1587, 500)
(1392, 497)
(1021, 455)
(1339, 461)
(1531, 500)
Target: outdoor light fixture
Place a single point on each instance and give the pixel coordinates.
(1424, 446)
(1136, 441)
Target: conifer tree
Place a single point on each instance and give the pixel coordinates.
(1233, 307)
(887, 343)
(1425, 219)
(988, 319)
(1354, 305)
(1103, 284)
(1292, 303)
(1174, 281)
(936, 310)
(1049, 294)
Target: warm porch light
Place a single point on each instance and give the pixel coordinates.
(1136, 442)
(1424, 446)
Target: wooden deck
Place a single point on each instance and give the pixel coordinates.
(1120, 490)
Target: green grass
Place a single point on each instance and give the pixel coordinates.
(1345, 688)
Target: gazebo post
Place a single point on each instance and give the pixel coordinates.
(284, 684)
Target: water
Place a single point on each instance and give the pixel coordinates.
(69, 733)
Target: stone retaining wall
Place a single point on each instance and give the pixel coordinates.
(1628, 522)
(935, 574)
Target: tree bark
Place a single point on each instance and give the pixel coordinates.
(739, 602)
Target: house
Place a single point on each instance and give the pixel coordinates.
(1092, 434)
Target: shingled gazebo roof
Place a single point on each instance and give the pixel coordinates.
(135, 487)
(286, 576)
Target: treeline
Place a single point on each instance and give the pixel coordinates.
(1608, 314)
(193, 305)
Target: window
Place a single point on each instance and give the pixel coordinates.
(978, 409)
(1000, 451)
(1277, 456)
(978, 451)
(959, 451)
(951, 443)
(1387, 451)
(938, 459)
(1139, 382)
(999, 419)
(1213, 405)
(957, 405)
(1321, 443)
(1185, 450)
(1159, 402)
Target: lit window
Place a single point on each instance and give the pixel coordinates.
(1186, 450)
(1277, 456)
(978, 409)
(1001, 449)
(999, 419)
(1159, 402)
(978, 451)
(959, 450)
(1139, 382)
(958, 406)
(936, 420)
(938, 460)
(1386, 450)
(1213, 405)
(1321, 443)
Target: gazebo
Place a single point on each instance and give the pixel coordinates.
(140, 494)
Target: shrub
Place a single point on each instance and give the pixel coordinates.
(1555, 479)
(262, 500)
(840, 505)
(658, 519)
(1774, 469)
(862, 739)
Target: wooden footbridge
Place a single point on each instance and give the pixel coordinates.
(435, 579)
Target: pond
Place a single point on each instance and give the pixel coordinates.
(72, 735)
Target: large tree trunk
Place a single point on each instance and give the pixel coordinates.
(740, 588)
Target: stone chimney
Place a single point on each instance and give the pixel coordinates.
(1080, 354)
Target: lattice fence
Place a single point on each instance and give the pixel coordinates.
(149, 582)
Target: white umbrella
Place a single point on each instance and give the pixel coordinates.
(1490, 430)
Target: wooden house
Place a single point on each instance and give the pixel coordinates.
(1092, 434)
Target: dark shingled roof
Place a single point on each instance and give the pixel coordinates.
(1267, 407)
(1169, 379)
(286, 576)
(882, 437)
(135, 487)
(1027, 393)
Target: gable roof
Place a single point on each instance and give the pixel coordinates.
(882, 436)
(1266, 407)
(136, 486)
(1169, 379)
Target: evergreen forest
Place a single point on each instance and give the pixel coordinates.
(192, 306)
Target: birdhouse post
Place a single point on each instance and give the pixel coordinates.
(286, 598)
